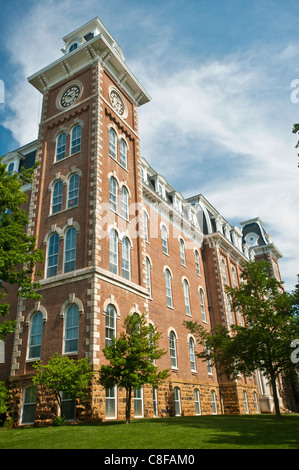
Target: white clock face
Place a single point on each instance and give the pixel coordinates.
(118, 103)
(70, 96)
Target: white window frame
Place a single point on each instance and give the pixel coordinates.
(173, 350)
(138, 400)
(177, 401)
(168, 286)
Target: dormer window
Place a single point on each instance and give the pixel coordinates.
(160, 189)
(73, 47)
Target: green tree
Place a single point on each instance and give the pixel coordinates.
(4, 395)
(62, 374)
(264, 343)
(18, 253)
(132, 359)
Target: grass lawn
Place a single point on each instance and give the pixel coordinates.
(195, 432)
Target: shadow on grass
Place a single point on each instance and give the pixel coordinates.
(243, 431)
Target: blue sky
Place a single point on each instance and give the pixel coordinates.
(219, 73)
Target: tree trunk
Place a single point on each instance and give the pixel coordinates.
(128, 404)
(275, 396)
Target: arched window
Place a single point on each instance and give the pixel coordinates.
(35, 336)
(10, 168)
(234, 277)
(164, 235)
(197, 402)
(113, 188)
(245, 401)
(209, 362)
(76, 139)
(186, 297)
(126, 268)
(168, 288)
(124, 203)
(182, 252)
(70, 250)
(229, 308)
(223, 270)
(60, 146)
(113, 252)
(123, 150)
(112, 143)
(73, 191)
(110, 324)
(197, 263)
(145, 226)
(73, 47)
(177, 401)
(202, 305)
(192, 354)
(71, 329)
(214, 402)
(29, 405)
(172, 347)
(52, 258)
(57, 197)
(148, 276)
(256, 406)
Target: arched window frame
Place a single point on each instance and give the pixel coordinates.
(73, 191)
(57, 196)
(182, 252)
(126, 258)
(173, 350)
(52, 255)
(191, 346)
(202, 304)
(60, 152)
(113, 143)
(197, 262)
(123, 153)
(110, 323)
(113, 251)
(124, 210)
(164, 237)
(70, 249)
(186, 287)
(168, 286)
(113, 194)
(71, 329)
(35, 336)
(76, 133)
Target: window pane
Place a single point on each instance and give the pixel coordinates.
(113, 254)
(113, 194)
(186, 297)
(29, 405)
(123, 153)
(110, 324)
(172, 346)
(168, 288)
(177, 402)
(76, 140)
(126, 259)
(73, 194)
(68, 406)
(35, 340)
(138, 402)
(53, 248)
(110, 406)
(70, 250)
(124, 203)
(71, 331)
(112, 143)
(57, 197)
(60, 146)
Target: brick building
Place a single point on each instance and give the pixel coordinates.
(119, 239)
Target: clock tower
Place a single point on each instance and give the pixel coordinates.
(88, 180)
